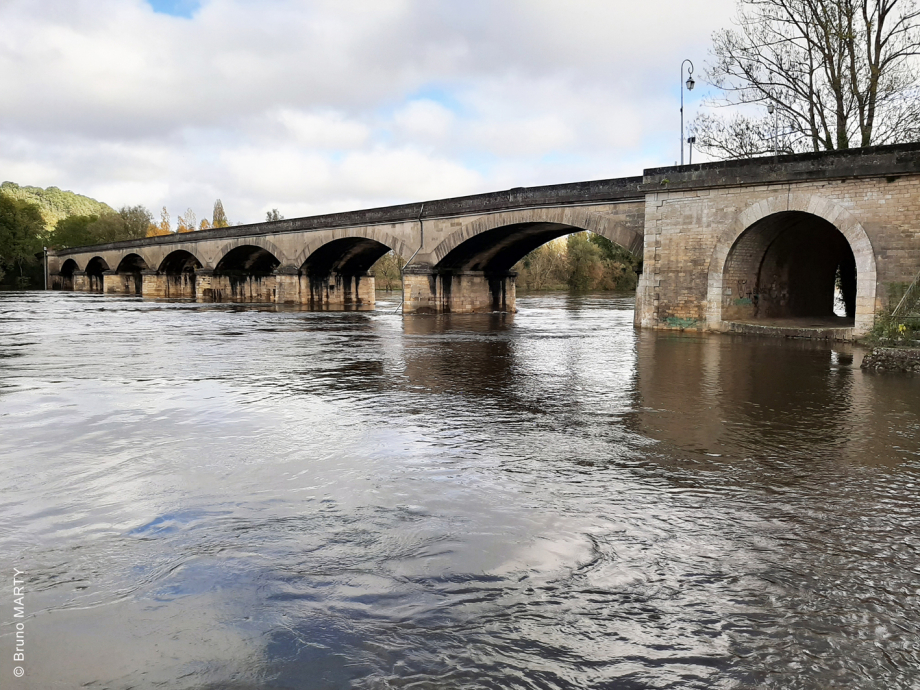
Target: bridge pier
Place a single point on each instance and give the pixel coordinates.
(339, 291)
(80, 281)
(211, 286)
(460, 292)
(115, 283)
(287, 285)
(153, 284)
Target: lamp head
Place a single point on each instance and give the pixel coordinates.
(770, 108)
(690, 84)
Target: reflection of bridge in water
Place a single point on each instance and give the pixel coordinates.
(740, 245)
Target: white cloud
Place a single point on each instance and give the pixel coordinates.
(323, 130)
(322, 105)
(424, 120)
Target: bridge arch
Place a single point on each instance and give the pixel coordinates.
(129, 270)
(491, 242)
(780, 258)
(179, 261)
(95, 268)
(68, 268)
(247, 245)
(246, 273)
(376, 236)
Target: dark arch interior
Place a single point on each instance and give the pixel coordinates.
(179, 261)
(247, 260)
(67, 271)
(132, 263)
(497, 250)
(789, 265)
(130, 268)
(94, 270)
(349, 256)
(96, 266)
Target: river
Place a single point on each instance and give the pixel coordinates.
(215, 496)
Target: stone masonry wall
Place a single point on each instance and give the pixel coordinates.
(683, 229)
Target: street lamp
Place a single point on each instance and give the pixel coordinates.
(691, 141)
(772, 109)
(690, 84)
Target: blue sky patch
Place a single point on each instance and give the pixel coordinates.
(176, 8)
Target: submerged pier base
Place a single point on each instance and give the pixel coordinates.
(466, 292)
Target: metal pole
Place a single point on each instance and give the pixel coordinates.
(45, 250)
(682, 106)
(776, 134)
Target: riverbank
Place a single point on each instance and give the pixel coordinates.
(892, 359)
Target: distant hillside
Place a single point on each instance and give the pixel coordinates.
(55, 203)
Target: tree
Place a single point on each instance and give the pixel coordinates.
(584, 259)
(137, 219)
(21, 233)
(205, 224)
(545, 268)
(387, 271)
(164, 227)
(273, 215)
(73, 231)
(219, 218)
(839, 73)
(188, 222)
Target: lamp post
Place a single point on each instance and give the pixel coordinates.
(771, 109)
(690, 85)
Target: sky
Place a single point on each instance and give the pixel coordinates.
(317, 106)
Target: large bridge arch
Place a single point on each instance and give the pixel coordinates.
(65, 278)
(179, 260)
(130, 269)
(267, 245)
(534, 228)
(756, 241)
(95, 271)
(333, 268)
(376, 235)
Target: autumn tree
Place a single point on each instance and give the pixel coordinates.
(837, 73)
(205, 224)
(187, 222)
(273, 215)
(219, 218)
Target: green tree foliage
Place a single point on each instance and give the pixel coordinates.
(273, 215)
(131, 222)
(387, 271)
(137, 220)
(582, 261)
(56, 204)
(21, 230)
(219, 217)
(73, 231)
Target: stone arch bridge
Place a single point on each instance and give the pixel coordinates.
(790, 243)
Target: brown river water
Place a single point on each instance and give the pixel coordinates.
(215, 496)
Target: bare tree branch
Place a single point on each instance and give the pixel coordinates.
(839, 73)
